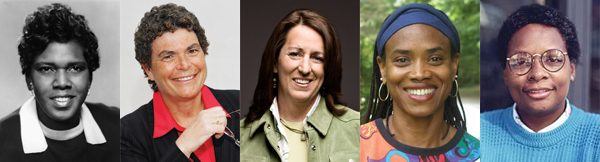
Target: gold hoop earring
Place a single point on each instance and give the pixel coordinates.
(379, 93)
(455, 88)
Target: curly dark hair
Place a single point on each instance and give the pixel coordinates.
(538, 14)
(56, 23)
(331, 88)
(160, 19)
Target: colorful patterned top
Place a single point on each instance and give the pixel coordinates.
(378, 145)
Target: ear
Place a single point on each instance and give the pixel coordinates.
(381, 65)
(573, 71)
(27, 81)
(148, 71)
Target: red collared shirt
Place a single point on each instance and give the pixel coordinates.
(164, 122)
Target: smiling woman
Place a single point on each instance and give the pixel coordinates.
(298, 94)
(58, 54)
(186, 120)
(413, 112)
(539, 51)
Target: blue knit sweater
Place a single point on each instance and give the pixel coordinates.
(578, 139)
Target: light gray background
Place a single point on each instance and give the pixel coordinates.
(220, 20)
(102, 18)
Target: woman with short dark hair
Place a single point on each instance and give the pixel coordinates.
(58, 54)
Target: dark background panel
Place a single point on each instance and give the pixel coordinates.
(258, 19)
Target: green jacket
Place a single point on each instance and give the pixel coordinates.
(330, 138)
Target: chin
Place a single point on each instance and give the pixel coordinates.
(303, 96)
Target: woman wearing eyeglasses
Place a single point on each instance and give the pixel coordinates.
(186, 120)
(539, 48)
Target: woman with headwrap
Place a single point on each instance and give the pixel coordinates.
(413, 113)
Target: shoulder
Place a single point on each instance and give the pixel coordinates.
(590, 121)
(138, 119)
(368, 129)
(471, 140)
(100, 110)
(494, 115)
(10, 120)
(470, 145)
(227, 94)
(349, 116)
(10, 124)
(229, 99)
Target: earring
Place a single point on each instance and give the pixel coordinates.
(30, 86)
(572, 78)
(274, 82)
(379, 93)
(455, 87)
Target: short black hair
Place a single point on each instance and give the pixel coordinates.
(538, 14)
(56, 23)
(160, 19)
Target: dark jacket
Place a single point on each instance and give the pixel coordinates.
(76, 149)
(137, 143)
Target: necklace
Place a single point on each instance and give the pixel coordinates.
(298, 131)
(387, 124)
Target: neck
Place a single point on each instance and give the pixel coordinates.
(58, 124)
(538, 122)
(184, 111)
(423, 132)
(292, 110)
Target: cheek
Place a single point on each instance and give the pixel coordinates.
(285, 66)
(319, 70)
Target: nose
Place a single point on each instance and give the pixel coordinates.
(537, 72)
(305, 65)
(420, 71)
(61, 80)
(183, 62)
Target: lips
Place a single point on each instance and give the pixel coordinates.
(538, 93)
(421, 92)
(302, 81)
(185, 78)
(62, 101)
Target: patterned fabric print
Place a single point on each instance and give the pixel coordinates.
(374, 148)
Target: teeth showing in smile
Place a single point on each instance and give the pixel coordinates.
(537, 91)
(62, 101)
(185, 78)
(420, 92)
(302, 81)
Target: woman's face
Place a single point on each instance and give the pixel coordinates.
(538, 92)
(418, 69)
(300, 65)
(60, 80)
(178, 65)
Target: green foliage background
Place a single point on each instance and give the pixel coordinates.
(463, 13)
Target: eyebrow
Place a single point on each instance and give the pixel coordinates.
(56, 65)
(165, 52)
(195, 45)
(433, 50)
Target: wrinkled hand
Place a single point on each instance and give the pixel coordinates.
(208, 123)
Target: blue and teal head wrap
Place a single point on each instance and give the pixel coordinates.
(416, 14)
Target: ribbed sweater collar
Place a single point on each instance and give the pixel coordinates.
(547, 139)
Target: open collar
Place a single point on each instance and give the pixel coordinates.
(33, 138)
(318, 116)
(164, 121)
